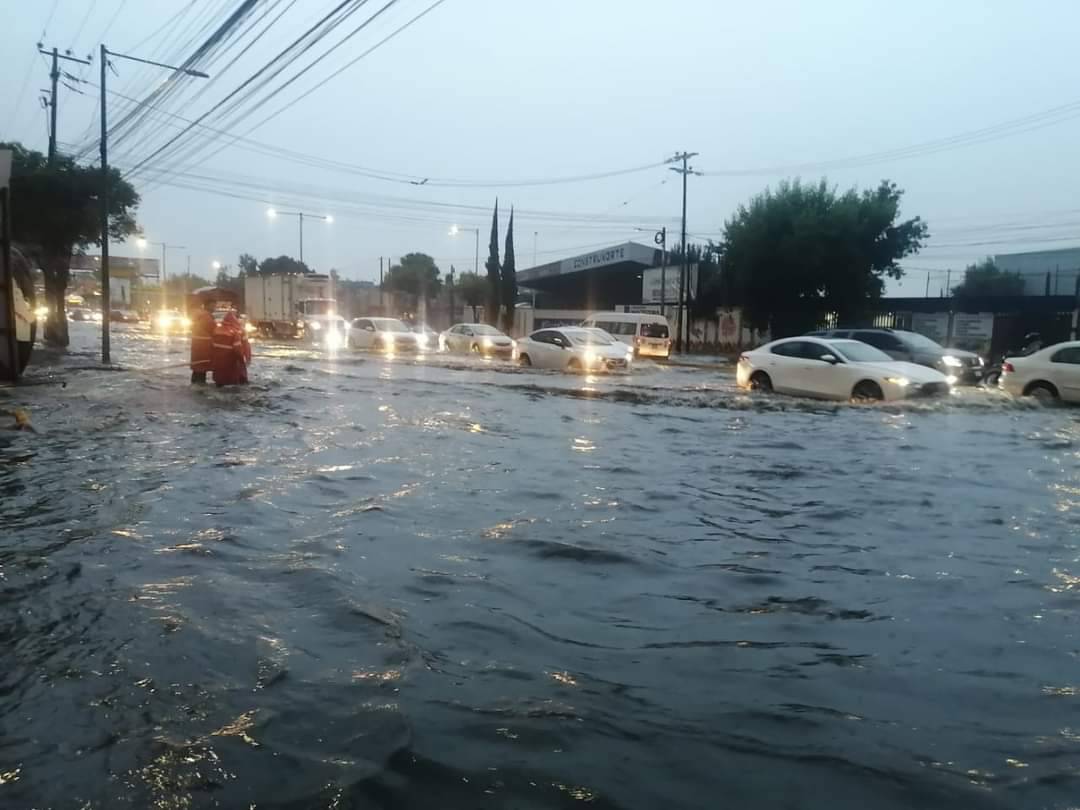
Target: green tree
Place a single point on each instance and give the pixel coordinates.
(473, 290)
(509, 277)
(986, 278)
(280, 264)
(492, 264)
(416, 275)
(802, 251)
(55, 212)
(248, 264)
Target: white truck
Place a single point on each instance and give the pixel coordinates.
(293, 305)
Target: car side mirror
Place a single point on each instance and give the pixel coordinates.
(831, 359)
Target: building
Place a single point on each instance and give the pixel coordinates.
(602, 279)
(1045, 272)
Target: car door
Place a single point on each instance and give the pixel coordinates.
(822, 378)
(784, 366)
(537, 347)
(1065, 364)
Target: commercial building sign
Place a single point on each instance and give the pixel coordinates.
(629, 252)
(973, 325)
(935, 325)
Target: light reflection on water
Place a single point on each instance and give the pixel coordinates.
(382, 583)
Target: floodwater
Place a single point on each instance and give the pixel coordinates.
(363, 583)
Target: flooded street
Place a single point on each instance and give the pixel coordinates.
(372, 583)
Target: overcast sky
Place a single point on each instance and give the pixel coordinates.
(493, 92)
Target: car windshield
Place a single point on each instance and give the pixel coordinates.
(589, 338)
(484, 329)
(389, 325)
(921, 342)
(654, 330)
(858, 352)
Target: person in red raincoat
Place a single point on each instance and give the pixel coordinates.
(231, 352)
(202, 338)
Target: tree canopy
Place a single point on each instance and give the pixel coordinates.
(248, 264)
(986, 278)
(509, 277)
(416, 274)
(798, 252)
(55, 212)
(473, 290)
(279, 264)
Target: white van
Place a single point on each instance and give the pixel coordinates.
(646, 332)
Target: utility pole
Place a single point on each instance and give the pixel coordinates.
(301, 237)
(684, 171)
(927, 284)
(54, 76)
(535, 235)
(661, 239)
(948, 282)
(104, 193)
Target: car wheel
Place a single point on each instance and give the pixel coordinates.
(475, 349)
(574, 365)
(760, 381)
(991, 378)
(1042, 391)
(867, 391)
(524, 360)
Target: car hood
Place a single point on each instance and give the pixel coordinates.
(913, 371)
(616, 351)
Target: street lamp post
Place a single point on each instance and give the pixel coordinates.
(455, 230)
(273, 213)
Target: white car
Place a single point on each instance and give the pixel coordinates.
(476, 338)
(1051, 373)
(836, 369)
(573, 348)
(385, 335)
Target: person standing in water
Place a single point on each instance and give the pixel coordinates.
(231, 352)
(202, 338)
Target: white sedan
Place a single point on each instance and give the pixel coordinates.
(476, 338)
(572, 348)
(1051, 373)
(836, 369)
(385, 335)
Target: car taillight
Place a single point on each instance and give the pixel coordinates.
(637, 341)
(1008, 368)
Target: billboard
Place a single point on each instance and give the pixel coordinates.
(650, 284)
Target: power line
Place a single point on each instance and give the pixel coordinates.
(1016, 126)
(82, 25)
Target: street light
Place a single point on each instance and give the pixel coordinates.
(273, 213)
(215, 264)
(457, 229)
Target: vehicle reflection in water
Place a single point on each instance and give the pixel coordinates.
(389, 582)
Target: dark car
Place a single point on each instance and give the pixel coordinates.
(123, 316)
(965, 366)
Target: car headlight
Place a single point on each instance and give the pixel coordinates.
(487, 343)
(186, 322)
(630, 356)
(902, 382)
(333, 339)
(249, 327)
(951, 379)
(422, 341)
(315, 326)
(41, 313)
(951, 362)
(589, 357)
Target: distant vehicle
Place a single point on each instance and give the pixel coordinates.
(123, 316)
(649, 334)
(78, 314)
(385, 335)
(286, 305)
(573, 348)
(1050, 374)
(171, 322)
(476, 338)
(836, 369)
(963, 366)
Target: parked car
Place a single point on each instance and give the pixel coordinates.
(1052, 373)
(476, 338)
(573, 348)
(966, 367)
(836, 369)
(384, 335)
(647, 333)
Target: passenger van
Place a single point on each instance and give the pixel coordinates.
(647, 332)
